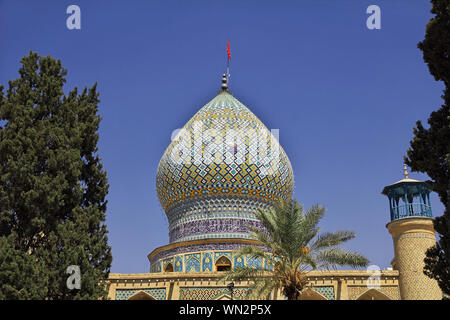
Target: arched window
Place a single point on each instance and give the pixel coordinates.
(223, 264)
(168, 268)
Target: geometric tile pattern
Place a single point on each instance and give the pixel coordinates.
(210, 293)
(178, 264)
(198, 247)
(356, 291)
(239, 261)
(214, 217)
(192, 262)
(327, 292)
(205, 261)
(156, 266)
(157, 294)
(219, 169)
(255, 262)
(410, 251)
(391, 292)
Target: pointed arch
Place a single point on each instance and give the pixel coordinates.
(373, 294)
(168, 267)
(223, 264)
(141, 295)
(311, 294)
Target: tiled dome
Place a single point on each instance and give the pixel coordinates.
(223, 165)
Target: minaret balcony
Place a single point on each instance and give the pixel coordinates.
(411, 210)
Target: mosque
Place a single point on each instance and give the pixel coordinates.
(222, 166)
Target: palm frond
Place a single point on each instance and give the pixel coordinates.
(260, 235)
(263, 288)
(333, 257)
(266, 217)
(310, 221)
(289, 226)
(242, 273)
(252, 251)
(305, 262)
(330, 239)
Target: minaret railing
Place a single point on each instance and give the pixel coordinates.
(410, 210)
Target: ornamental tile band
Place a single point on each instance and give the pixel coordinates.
(157, 294)
(211, 293)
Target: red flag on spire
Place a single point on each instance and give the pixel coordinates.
(228, 49)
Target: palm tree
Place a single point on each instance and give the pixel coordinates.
(291, 244)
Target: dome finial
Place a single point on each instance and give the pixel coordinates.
(224, 82)
(405, 170)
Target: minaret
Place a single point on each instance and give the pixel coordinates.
(412, 231)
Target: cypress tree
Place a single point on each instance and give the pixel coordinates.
(52, 186)
(429, 150)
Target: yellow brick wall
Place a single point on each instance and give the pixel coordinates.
(412, 237)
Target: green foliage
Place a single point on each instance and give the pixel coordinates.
(293, 247)
(52, 186)
(21, 276)
(429, 150)
(436, 46)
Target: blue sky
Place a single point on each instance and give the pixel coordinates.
(345, 98)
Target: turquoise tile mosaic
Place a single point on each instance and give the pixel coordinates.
(157, 294)
(327, 292)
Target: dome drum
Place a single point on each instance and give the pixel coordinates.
(216, 217)
(212, 228)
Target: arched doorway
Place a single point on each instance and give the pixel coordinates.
(223, 264)
(168, 267)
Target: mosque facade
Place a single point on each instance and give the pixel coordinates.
(221, 167)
